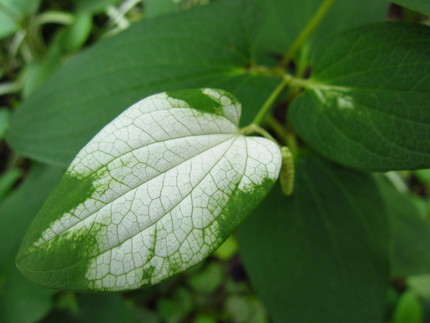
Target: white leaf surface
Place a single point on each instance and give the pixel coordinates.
(171, 177)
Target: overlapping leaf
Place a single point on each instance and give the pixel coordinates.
(368, 101)
(410, 230)
(322, 254)
(417, 5)
(20, 300)
(155, 192)
(285, 20)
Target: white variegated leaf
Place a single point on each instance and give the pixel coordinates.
(153, 193)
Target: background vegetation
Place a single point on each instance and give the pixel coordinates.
(37, 37)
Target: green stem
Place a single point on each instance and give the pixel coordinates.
(54, 17)
(256, 128)
(10, 87)
(268, 104)
(309, 29)
(277, 128)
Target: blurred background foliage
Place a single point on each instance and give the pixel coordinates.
(37, 37)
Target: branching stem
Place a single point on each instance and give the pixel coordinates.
(307, 31)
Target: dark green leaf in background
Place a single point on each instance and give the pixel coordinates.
(154, 8)
(74, 36)
(20, 300)
(5, 115)
(422, 6)
(18, 210)
(284, 20)
(411, 233)
(320, 255)
(409, 309)
(36, 72)
(7, 180)
(188, 50)
(93, 6)
(102, 308)
(368, 105)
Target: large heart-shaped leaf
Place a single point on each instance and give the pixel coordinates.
(322, 253)
(153, 193)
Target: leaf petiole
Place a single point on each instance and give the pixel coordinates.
(254, 128)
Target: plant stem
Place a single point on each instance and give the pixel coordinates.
(10, 87)
(54, 17)
(277, 128)
(256, 128)
(267, 105)
(309, 29)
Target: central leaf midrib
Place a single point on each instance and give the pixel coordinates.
(175, 205)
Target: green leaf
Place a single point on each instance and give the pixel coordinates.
(227, 250)
(36, 72)
(154, 8)
(7, 180)
(320, 255)
(241, 308)
(20, 300)
(103, 308)
(153, 193)
(285, 20)
(420, 285)
(4, 121)
(74, 36)
(13, 13)
(175, 309)
(409, 309)
(155, 55)
(93, 6)
(417, 5)
(367, 102)
(423, 175)
(19, 208)
(208, 279)
(411, 233)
